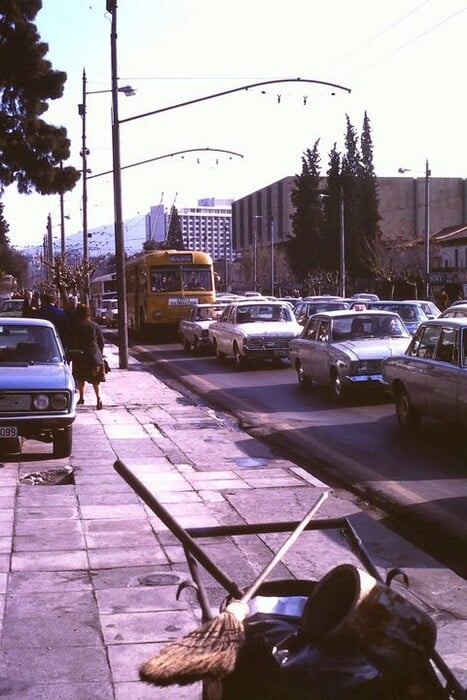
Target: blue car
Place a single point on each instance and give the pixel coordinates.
(37, 389)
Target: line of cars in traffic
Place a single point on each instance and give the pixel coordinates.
(407, 348)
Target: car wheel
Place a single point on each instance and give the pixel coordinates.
(62, 442)
(303, 380)
(186, 345)
(239, 360)
(407, 416)
(337, 387)
(219, 355)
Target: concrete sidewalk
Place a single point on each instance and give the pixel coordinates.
(88, 574)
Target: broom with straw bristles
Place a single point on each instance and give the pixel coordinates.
(212, 649)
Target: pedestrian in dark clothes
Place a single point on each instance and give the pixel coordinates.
(50, 311)
(87, 343)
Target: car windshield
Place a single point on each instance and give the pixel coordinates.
(12, 305)
(30, 344)
(209, 313)
(408, 312)
(361, 326)
(264, 312)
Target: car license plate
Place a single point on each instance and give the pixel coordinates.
(8, 432)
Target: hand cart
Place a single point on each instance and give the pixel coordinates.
(438, 680)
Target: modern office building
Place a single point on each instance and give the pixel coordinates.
(204, 227)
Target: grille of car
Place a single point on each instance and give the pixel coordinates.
(366, 367)
(268, 343)
(15, 402)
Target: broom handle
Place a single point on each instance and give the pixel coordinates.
(284, 549)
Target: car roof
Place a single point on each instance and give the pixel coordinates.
(25, 321)
(208, 305)
(255, 301)
(352, 312)
(405, 302)
(457, 321)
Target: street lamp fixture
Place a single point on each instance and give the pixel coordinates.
(129, 92)
(427, 223)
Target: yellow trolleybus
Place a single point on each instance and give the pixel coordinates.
(161, 285)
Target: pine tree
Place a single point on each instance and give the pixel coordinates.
(30, 149)
(305, 245)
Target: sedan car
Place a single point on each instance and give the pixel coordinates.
(458, 310)
(12, 307)
(344, 349)
(107, 313)
(193, 330)
(37, 390)
(304, 309)
(430, 378)
(429, 307)
(254, 329)
(411, 312)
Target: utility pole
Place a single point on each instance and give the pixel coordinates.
(49, 248)
(84, 169)
(62, 222)
(427, 228)
(117, 180)
(272, 255)
(342, 241)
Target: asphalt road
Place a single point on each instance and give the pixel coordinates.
(420, 481)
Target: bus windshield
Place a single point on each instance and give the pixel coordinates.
(170, 279)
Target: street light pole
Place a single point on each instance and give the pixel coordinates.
(62, 222)
(84, 167)
(342, 270)
(117, 181)
(272, 255)
(427, 228)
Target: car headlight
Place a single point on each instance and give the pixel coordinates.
(59, 401)
(41, 402)
(360, 367)
(254, 342)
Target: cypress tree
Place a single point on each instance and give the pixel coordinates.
(305, 245)
(368, 201)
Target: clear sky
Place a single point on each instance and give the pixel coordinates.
(404, 62)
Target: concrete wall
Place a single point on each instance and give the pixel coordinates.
(401, 206)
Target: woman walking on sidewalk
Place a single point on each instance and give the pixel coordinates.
(88, 346)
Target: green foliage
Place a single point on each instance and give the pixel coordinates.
(305, 246)
(174, 239)
(30, 149)
(315, 244)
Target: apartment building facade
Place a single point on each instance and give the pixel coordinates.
(208, 227)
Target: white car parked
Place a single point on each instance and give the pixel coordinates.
(254, 329)
(194, 329)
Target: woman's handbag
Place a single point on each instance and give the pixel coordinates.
(98, 373)
(106, 366)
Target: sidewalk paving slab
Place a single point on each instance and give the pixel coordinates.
(89, 574)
